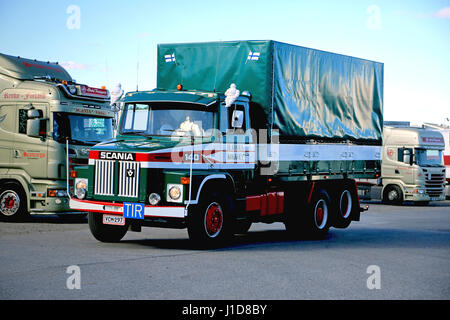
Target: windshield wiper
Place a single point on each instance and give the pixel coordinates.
(75, 141)
(138, 133)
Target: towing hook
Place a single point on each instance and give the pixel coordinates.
(365, 208)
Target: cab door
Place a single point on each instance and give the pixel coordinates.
(239, 147)
(30, 153)
(7, 128)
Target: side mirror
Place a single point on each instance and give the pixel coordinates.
(36, 125)
(407, 156)
(237, 119)
(33, 114)
(37, 128)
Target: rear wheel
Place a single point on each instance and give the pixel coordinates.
(13, 202)
(103, 232)
(313, 222)
(320, 205)
(344, 206)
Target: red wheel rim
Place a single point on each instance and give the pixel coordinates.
(213, 219)
(320, 214)
(9, 203)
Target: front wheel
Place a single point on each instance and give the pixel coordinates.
(210, 223)
(13, 200)
(103, 232)
(393, 195)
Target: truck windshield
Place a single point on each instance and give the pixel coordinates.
(166, 121)
(81, 129)
(429, 157)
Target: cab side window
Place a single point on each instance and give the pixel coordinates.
(23, 121)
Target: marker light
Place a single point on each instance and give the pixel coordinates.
(56, 193)
(179, 87)
(185, 180)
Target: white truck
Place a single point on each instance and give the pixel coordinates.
(445, 131)
(412, 167)
(42, 111)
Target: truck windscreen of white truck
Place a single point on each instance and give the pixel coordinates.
(429, 157)
(81, 129)
(144, 119)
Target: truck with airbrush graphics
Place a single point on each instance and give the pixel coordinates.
(238, 132)
(44, 112)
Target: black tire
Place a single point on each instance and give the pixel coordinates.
(320, 211)
(314, 221)
(345, 203)
(210, 224)
(13, 202)
(393, 195)
(103, 232)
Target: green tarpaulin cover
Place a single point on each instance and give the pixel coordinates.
(305, 93)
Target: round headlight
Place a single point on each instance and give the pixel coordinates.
(81, 188)
(80, 193)
(174, 192)
(154, 199)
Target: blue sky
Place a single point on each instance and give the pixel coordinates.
(101, 42)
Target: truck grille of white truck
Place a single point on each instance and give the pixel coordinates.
(434, 183)
(127, 180)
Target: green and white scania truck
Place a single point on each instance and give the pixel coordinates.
(235, 133)
(42, 111)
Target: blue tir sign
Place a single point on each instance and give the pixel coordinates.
(133, 210)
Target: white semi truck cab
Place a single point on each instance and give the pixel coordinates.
(412, 167)
(42, 111)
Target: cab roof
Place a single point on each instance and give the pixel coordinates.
(194, 97)
(27, 69)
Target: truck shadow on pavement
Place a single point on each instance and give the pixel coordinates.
(363, 238)
(52, 219)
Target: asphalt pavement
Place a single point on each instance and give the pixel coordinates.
(394, 252)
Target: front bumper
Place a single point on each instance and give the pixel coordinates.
(117, 209)
(423, 197)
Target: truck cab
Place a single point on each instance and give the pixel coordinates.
(168, 146)
(412, 165)
(44, 116)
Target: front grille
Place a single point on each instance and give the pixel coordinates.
(434, 183)
(104, 177)
(128, 178)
